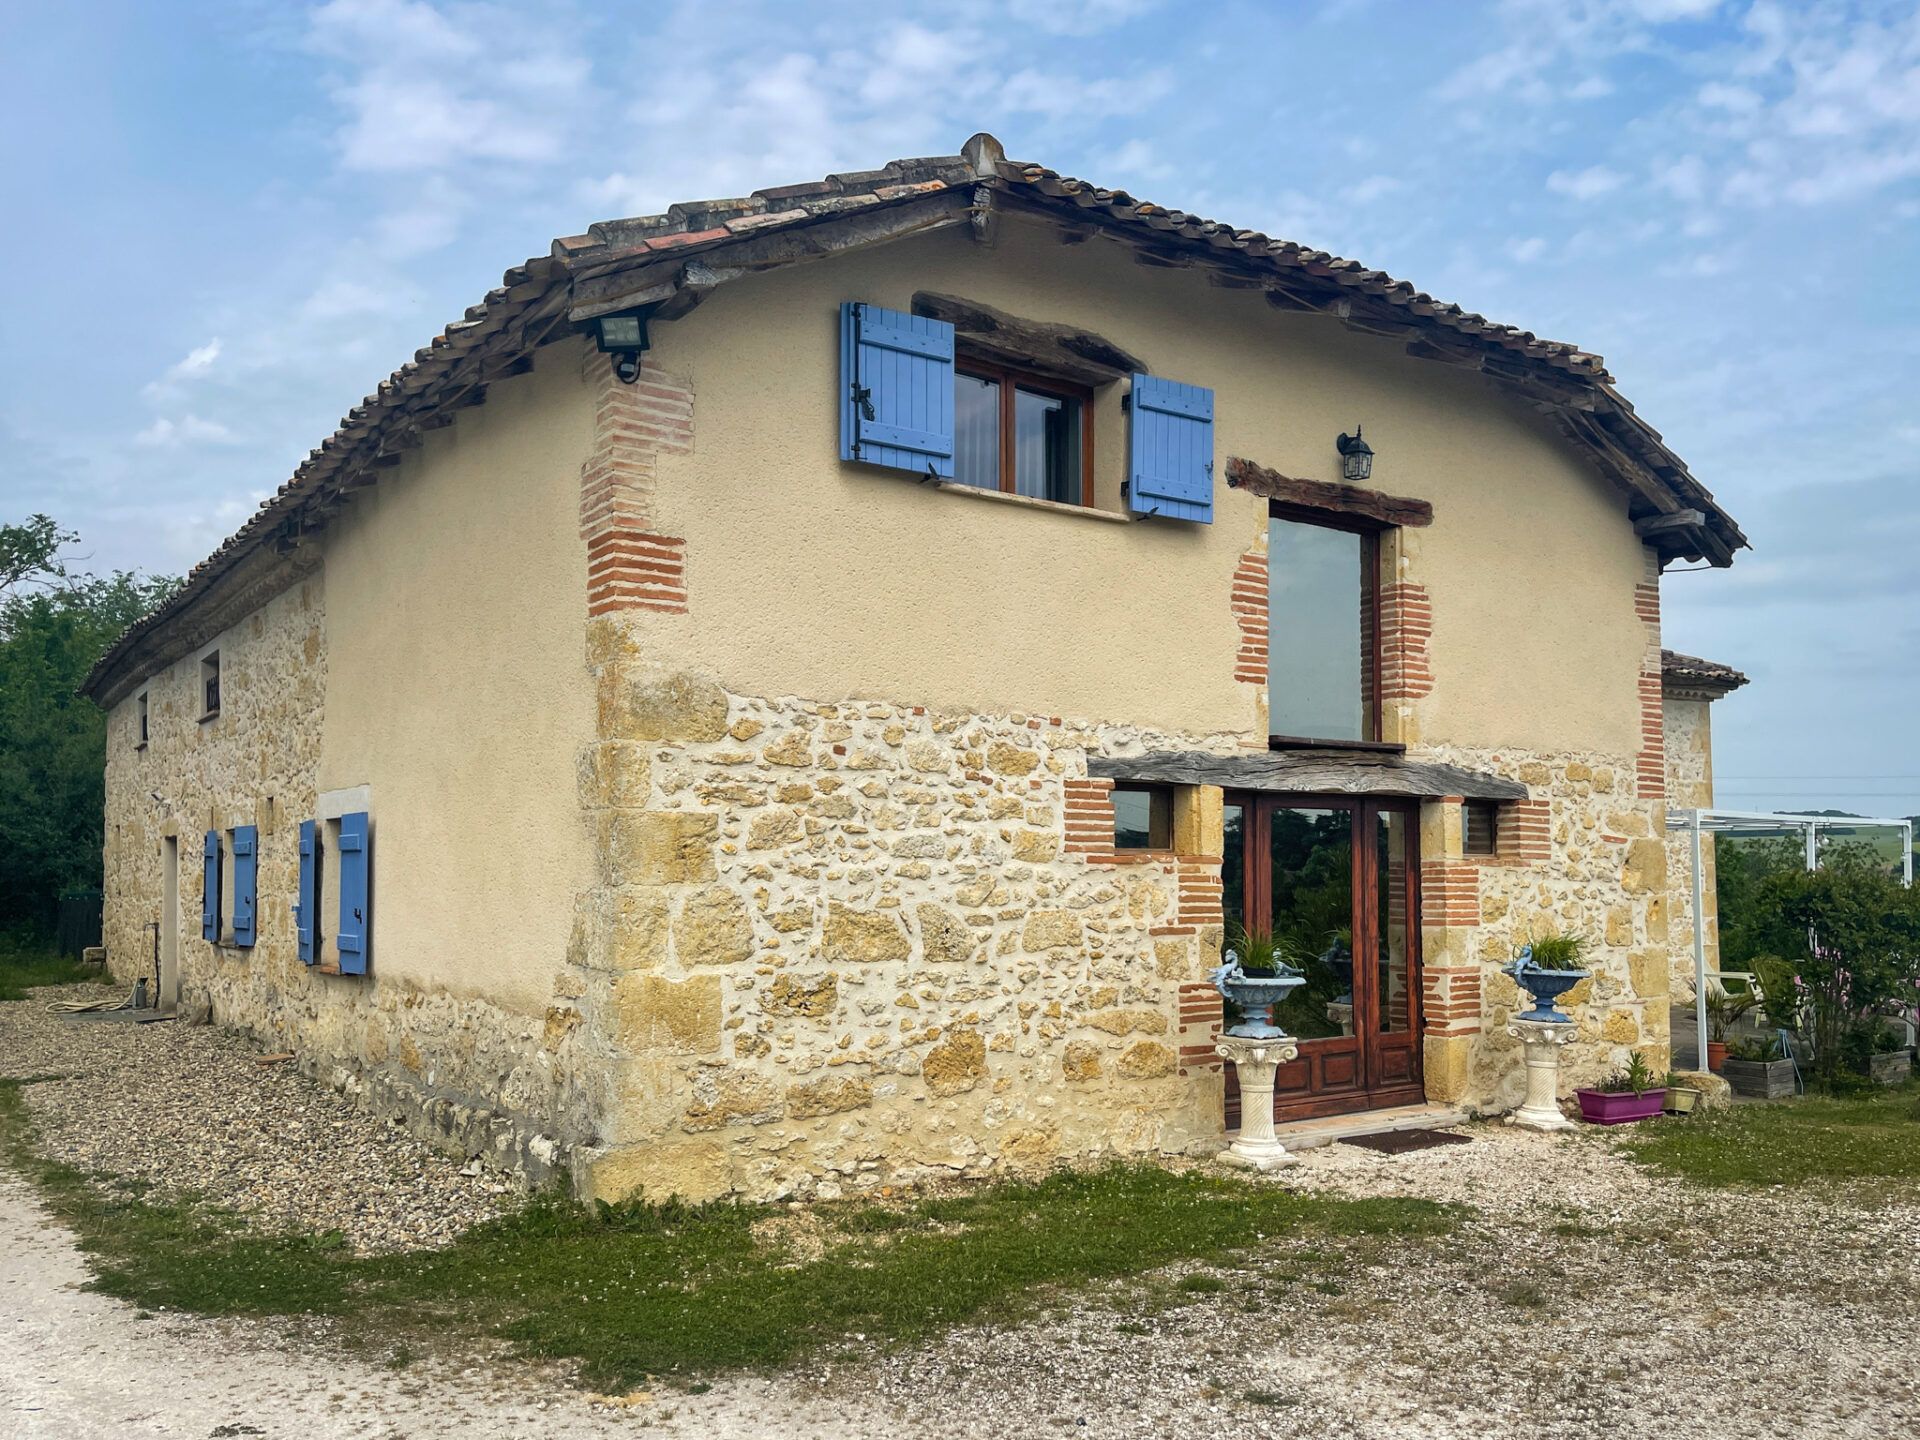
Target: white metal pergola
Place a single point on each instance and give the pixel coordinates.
(1709, 822)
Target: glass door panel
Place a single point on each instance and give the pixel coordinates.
(1310, 854)
(1394, 932)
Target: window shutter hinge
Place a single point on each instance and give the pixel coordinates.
(863, 397)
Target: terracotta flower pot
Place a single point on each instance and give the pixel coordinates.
(1716, 1055)
(1608, 1107)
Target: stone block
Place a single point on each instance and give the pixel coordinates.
(1146, 1060)
(863, 937)
(775, 827)
(956, 1064)
(654, 1015)
(692, 1170)
(1006, 758)
(1035, 847)
(656, 706)
(1129, 1022)
(732, 1097)
(1081, 1061)
(1645, 870)
(1048, 929)
(713, 928)
(944, 936)
(828, 1096)
(813, 996)
(658, 847)
(617, 773)
(1647, 972)
(1445, 1065)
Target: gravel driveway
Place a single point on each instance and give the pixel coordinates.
(1580, 1297)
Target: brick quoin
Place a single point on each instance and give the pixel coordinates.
(630, 565)
(1406, 641)
(1650, 766)
(1249, 604)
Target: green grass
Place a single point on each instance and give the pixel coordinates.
(637, 1291)
(25, 966)
(1789, 1142)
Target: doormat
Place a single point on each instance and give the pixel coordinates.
(1399, 1142)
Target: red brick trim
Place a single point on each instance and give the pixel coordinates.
(1089, 806)
(1525, 833)
(1199, 895)
(630, 565)
(1449, 894)
(1406, 640)
(1650, 765)
(1450, 999)
(1249, 604)
(1201, 1016)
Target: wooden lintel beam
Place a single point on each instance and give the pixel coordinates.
(1327, 497)
(1061, 349)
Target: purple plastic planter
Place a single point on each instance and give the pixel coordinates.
(1606, 1107)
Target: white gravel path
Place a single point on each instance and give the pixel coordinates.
(1580, 1297)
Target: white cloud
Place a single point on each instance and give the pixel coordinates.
(187, 430)
(1685, 178)
(1527, 251)
(190, 367)
(1717, 95)
(1588, 184)
(424, 88)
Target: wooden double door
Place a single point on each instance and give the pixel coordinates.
(1336, 880)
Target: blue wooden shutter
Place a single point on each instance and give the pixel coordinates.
(246, 872)
(355, 931)
(1170, 437)
(210, 886)
(896, 390)
(308, 905)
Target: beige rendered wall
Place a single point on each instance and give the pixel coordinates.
(457, 690)
(436, 655)
(831, 580)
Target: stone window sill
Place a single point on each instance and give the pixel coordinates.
(1082, 512)
(210, 715)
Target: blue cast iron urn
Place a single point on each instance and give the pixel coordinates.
(1256, 995)
(1545, 986)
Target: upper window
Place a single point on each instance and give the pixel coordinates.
(1322, 624)
(1023, 434)
(210, 684)
(141, 705)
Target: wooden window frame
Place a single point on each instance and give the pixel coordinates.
(1370, 532)
(1160, 792)
(1492, 811)
(1011, 378)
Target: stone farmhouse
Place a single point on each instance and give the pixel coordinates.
(786, 693)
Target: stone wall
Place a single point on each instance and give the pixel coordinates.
(457, 1070)
(845, 943)
(1689, 756)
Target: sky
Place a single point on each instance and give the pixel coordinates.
(223, 223)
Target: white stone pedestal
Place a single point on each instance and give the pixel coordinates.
(1255, 1061)
(1544, 1040)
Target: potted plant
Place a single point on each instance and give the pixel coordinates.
(1253, 977)
(1624, 1096)
(1872, 1048)
(1758, 1067)
(1681, 1099)
(1547, 967)
(1724, 1010)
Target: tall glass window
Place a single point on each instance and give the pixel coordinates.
(1320, 632)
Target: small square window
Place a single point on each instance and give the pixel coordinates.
(1480, 827)
(1142, 818)
(210, 684)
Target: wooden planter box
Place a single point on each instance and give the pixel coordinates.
(1767, 1079)
(1893, 1068)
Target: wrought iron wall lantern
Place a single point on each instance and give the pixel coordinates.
(624, 337)
(1356, 457)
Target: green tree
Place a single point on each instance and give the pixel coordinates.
(1852, 934)
(53, 625)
